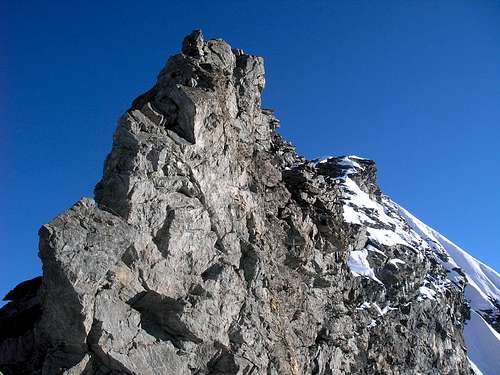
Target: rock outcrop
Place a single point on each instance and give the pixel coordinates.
(213, 248)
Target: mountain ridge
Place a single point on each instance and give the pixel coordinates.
(481, 282)
(212, 247)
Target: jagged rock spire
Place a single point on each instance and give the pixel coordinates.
(192, 44)
(212, 248)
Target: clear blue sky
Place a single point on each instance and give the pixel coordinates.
(413, 85)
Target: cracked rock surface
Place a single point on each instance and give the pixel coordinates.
(213, 248)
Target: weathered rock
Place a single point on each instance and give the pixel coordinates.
(213, 248)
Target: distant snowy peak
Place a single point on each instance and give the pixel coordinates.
(389, 226)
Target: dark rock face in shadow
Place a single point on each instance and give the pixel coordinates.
(25, 290)
(18, 321)
(161, 316)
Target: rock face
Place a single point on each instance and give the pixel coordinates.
(213, 248)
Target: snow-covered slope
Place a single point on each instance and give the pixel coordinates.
(481, 291)
(388, 224)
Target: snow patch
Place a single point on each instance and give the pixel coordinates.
(426, 293)
(358, 263)
(396, 261)
(376, 307)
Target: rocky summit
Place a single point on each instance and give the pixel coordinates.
(212, 247)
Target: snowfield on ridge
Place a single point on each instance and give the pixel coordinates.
(389, 224)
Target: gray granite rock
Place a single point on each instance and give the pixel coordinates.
(213, 248)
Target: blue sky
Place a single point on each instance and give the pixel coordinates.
(414, 85)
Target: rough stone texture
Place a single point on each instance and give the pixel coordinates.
(206, 253)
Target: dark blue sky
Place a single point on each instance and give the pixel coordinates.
(413, 85)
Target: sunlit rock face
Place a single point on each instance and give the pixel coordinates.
(213, 248)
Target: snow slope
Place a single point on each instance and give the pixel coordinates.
(483, 286)
(389, 224)
(483, 344)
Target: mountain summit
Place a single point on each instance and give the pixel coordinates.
(213, 248)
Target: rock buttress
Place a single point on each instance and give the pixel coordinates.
(212, 248)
